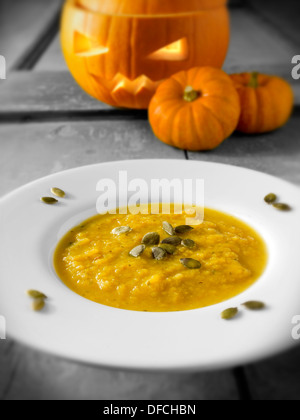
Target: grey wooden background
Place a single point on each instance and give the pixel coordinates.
(47, 124)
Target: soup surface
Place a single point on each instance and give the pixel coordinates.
(95, 263)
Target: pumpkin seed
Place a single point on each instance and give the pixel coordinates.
(159, 253)
(168, 228)
(190, 263)
(254, 305)
(137, 251)
(35, 294)
(229, 313)
(38, 304)
(170, 249)
(282, 206)
(49, 200)
(188, 243)
(270, 198)
(172, 240)
(58, 192)
(151, 238)
(121, 230)
(183, 229)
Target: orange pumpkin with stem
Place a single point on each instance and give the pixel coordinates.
(196, 109)
(120, 50)
(266, 102)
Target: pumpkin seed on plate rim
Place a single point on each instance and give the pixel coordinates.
(58, 192)
(282, 206)
(229, 313)
(270, 198)
(35, 294)
(49, 200)
(254, 305)
(38, 304)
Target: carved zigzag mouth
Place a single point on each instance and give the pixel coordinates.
(121, 83)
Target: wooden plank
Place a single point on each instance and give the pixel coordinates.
(27, 375)
(37, 150)
(56, 94)
(22, 24)
(277, 378)
(30, 92)
(284, 16)
(254, 45)
(276, 153)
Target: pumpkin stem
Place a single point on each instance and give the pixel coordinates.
(190, 94)
(254, 80)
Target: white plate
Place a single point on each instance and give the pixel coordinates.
(75, 328)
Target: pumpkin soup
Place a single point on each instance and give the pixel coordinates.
(155, 263)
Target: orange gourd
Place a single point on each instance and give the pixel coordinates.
(195, 110)
(120, 50)
(266, 102)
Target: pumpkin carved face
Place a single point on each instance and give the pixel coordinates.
(120, 50)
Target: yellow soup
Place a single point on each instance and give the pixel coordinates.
(94, 261)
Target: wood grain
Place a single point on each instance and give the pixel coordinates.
(30, 375)
(51, 95)
(277, 378)
(37, 150)
(276, 153)
(22, 24)
(283, 16)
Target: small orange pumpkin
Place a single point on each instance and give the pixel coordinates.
(196, 109)
(266, 102)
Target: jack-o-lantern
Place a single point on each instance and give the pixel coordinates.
(120, 50)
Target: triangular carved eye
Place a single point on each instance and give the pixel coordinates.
(87, 47)
(177, 51)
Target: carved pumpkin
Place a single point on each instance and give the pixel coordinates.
(120, 50)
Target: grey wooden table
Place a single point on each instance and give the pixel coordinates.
(47, 124)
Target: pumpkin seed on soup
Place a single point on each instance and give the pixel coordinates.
(49, 200)
(170, 249)
(254, 305)
(168, 228)
(151, 238)
(191, 263)
(159, 253)
(270, 198)
(282, 207)
(137, 251)
(121, 230)
(173, 240)
(188, 243)
(229, 313)
(58, 192)
(183, 229)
